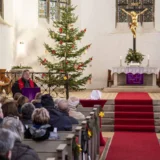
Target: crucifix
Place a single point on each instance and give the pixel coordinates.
(134, 13)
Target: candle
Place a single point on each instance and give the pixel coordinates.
(148, 60)
(148, 56)
(120, 60)
(120, 57)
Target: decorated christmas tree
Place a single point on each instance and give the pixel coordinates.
(67, 55)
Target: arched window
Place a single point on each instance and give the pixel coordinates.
(50, 8)
(128, 4)
(1, 8)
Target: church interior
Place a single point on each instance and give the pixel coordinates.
(79, 80)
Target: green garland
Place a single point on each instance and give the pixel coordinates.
(134, 57)
(21, 67)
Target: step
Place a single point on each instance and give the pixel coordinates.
(110, 121)
(134, 108)
(121, 121)
(141, 128)
(135, 115)
(133, 102)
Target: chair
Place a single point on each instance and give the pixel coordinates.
(110, 78)
(158, 79)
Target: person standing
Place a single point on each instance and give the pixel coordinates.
(24, 82)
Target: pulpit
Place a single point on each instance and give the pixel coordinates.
(135, 75)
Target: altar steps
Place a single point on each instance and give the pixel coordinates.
(149, 89)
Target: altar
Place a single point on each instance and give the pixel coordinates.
(135, 75)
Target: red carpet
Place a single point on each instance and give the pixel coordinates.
(134, 112)
(134, 146)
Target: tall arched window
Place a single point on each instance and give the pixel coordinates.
(127, 4)
(50, 8)
(1, 8)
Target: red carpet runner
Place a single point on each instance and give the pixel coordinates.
(134, 113)
(134, 146)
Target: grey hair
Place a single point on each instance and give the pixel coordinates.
(27, 110)
(14, 125)
(7, 139)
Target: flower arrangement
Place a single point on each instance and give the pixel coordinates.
(132, 56)
(21, 67)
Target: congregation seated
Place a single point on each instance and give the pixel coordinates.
(7, 140)
(20, 151)
(37, 100)
(57, 119)
(40, 130)
(27, 110)
(73, 103)
(20, 102)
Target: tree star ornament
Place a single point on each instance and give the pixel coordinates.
(65, 78)
(101, 114)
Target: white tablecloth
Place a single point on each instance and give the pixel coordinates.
(136, 69)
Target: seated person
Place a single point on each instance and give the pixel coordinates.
(37, 100)
(27, 110)
(20, 151)
(9, 108)
(23, 82)
(7, 140)
(73, 103)
(17, 95)
(40, 129)
(63, 108)
(57, 119)
(1, 116)
(21, 101)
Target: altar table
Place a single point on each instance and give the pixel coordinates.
(149, 74)
(91, 103)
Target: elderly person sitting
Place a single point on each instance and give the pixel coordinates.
(63, 108)
(20, 102)
(20, 151)
(7, 140)
(40, 129)
(72, 105)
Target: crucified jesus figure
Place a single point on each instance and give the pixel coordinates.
(134, 17)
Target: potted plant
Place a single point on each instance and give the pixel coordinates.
(134, 58)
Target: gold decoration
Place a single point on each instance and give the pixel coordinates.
(89, 133)
(79, 148)
(101, 114)
(134, 23)
(65, 78)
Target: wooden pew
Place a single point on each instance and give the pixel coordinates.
(53, 148)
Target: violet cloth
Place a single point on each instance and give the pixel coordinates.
(30, 92)
(134, 79)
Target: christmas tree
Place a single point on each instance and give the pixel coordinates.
(69, 67)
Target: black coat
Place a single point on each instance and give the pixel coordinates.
(21, 151)
(59, 120)
(16, 89)
(3, 158)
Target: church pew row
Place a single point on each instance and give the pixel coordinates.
(59, 149)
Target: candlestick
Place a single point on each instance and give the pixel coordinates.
(120, 61)
(148, 60)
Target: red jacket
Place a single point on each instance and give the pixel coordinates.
(21, 84)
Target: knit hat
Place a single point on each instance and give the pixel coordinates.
(47, 101)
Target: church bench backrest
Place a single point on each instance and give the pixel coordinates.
(48, 148)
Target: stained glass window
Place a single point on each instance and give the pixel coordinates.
(50, 9)
(1, 8)
(148, 16)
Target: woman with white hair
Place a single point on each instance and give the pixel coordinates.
(20, 151)
(73, 104)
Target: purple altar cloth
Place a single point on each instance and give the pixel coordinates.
(30, 92)
(134, 78)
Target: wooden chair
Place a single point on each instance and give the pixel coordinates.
(158, 79)
(109, 78)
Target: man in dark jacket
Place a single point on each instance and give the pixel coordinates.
(23, 82)
(57, 119)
